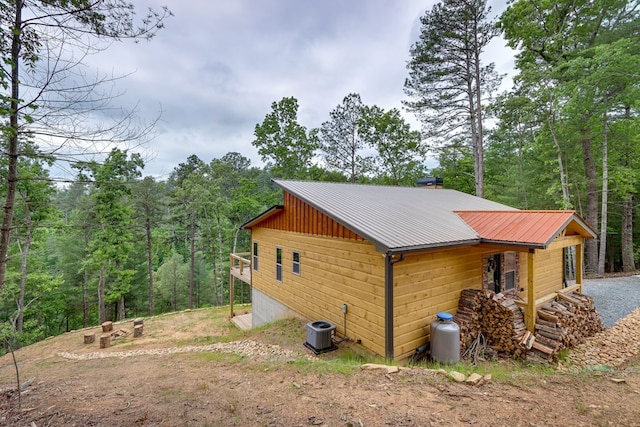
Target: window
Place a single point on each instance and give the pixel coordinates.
(510, 263)
(569, 266)
(279, 264)
(501, 272)
(255, 256)
(296, 262)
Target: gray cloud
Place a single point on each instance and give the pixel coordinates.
(217, 66)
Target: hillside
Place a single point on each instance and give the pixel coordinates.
(195, 369)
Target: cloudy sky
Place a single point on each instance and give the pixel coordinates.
(218, 65)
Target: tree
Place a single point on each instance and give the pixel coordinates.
(34, 194)
(448, 85)
(283, 142)
(46, 96)
(149, 203)
(341, 141)
(112, 241)
(189, 195)
(563, 41)
(400, 150)
(170, 282)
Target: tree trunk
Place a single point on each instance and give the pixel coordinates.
(23, 270)
(605, 196)
(628, 261)
(591, 245)
(102, 317)
(564, 184)
(149, 262)
(121, 310)
(473, 124)
(220, 257)
(479, 141)
(85, 299)
(217, 298)
(192, 259)
(12, 143)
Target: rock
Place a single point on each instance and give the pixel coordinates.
(373, 366)
(457, 376)
(474, 379)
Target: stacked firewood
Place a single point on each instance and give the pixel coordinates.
(468, 316)
(503, 325)
(564, 322)
(496, 316)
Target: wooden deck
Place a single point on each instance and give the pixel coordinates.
(243, 321)
(241, 267)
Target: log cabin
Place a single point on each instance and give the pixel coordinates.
(380, 261)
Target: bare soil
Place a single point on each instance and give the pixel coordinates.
(195, 369)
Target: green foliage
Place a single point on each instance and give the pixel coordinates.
(341, 140)
(449, 85)
(284, 143)
(400, 150)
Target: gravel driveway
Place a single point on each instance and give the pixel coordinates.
(614, 297)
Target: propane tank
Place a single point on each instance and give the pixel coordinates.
(445, 339)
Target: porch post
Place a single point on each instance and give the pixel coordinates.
(231, 292)
(530, 309)
(579, 266)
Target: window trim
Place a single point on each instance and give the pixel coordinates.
(278, 264)
(254, 256)
(295, 263)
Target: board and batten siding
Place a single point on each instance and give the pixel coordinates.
(299, 217)
(333, 272)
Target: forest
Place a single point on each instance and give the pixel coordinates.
(110, 243)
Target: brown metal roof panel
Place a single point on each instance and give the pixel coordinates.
(537, 228)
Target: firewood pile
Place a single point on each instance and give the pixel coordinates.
(561, 323)
(503, 325)
(468, 316)
(496, 316)
(564, 322)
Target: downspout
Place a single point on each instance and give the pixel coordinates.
(388, 303)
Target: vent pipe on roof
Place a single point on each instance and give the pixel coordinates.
(430, 182)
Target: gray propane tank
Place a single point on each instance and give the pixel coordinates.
(445, 339)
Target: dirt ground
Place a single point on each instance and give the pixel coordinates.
(195, 369)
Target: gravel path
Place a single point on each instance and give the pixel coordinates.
(614, 297)
(249, 348)
(617, 300)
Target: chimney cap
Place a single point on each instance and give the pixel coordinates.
(430, 182)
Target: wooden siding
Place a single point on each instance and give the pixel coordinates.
(336, 271)
(430, 282)
(333, 272)
(299, 217)
(548, 271)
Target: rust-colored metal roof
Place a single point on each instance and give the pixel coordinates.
(535, 228)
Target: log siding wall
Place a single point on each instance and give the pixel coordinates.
(333, 272)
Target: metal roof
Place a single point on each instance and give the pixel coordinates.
(395, 219)
(533, 228)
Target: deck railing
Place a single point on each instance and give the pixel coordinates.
(239, 263)
(240, 267)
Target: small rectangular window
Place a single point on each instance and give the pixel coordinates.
(296, 262)
(255, 256)
(279, 264)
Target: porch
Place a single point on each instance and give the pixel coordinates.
(533, 298)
